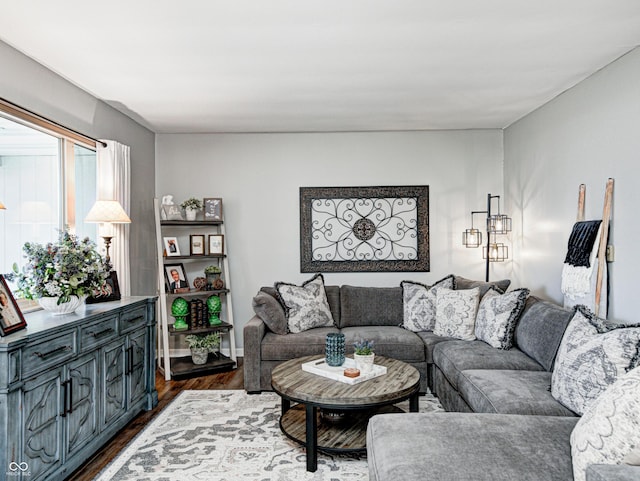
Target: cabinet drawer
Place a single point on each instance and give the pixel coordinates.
(133, 319)
(98, 333)
(48, 353)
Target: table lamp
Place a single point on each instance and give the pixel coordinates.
(107, 212)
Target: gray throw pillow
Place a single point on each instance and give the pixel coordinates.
(463, 283)
(593, 354)
(456, 313)
(609, 430)
(306, 306)
(269, 309)
(498, 315)
(419, 304)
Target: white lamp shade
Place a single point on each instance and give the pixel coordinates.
(104, 211)
(2, 207)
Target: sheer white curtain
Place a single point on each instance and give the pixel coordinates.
(114, 183)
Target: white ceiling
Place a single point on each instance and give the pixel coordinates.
(323, 65)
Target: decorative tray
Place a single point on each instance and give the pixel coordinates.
(321, 368)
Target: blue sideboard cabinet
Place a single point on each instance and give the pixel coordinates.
(69, 383)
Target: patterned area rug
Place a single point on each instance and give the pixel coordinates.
(228, 436)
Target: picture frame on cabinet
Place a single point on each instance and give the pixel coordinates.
(111, 291)
(216, 244)
(196, 244)
(176, 278)
(212, 208)
(11, 318)
(171, 246)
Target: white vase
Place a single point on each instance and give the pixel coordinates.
(50, 304)
(364, 362)
(199, 355)
(191, 213)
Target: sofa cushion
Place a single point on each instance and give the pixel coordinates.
(306, 306)
(456, 313)
(333, 297)
(510, 392)
(540, 328)
(610, 427)
(453, 357)
(367, 306)
(462, 446)
(419, 304)
(498, 315)
(271, 312)
(430, 340)
(592, 355)
(463, 283)
(283, 348)
(389, 341)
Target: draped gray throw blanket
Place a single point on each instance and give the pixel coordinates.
(578, 264)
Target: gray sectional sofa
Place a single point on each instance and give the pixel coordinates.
(358, 312)
(518, 430)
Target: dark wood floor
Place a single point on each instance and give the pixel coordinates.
(167, 390)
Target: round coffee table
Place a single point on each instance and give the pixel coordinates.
(331, 415)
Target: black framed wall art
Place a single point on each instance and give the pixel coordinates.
(364, 229)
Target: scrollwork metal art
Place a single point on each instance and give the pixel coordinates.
(374, 229)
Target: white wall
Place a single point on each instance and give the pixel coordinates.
(259, 176)
(32, 86)
(586, 135)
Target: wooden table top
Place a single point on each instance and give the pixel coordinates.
(290, 381)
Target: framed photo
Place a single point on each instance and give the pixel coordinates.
(196, 245)
(216, 244)
(11, 318)
(172, 212)
(111, 291)
(176, 278)
(171, 246)
(212, 209)
(364, 229)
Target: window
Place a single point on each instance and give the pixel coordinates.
(47, 183)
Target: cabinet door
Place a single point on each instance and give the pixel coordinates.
(114, 385)
(82, 418)
(43, 411)
(137, 368)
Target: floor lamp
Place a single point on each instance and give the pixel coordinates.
(496, 224)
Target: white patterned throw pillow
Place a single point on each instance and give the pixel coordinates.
(497, 316)
(306, 306)
(609, 430)
(593, 354)
(419, 304)
(456, 313)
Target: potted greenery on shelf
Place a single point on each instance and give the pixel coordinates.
(213, 277)
(363, 355)
(191, 207)
(202, 345)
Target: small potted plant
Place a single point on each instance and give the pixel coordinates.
(363, 355)
(191, 207)
(202, 345)
(213, 274)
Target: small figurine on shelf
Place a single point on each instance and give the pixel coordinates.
(180, 310)
(214, 305)
(191, 207)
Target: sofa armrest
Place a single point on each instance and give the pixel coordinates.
(613, 472)
(253, 332)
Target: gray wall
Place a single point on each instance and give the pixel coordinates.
(34, 87)
(586, 135)
(259, 175)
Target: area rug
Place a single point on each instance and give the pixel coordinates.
(228, 436)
